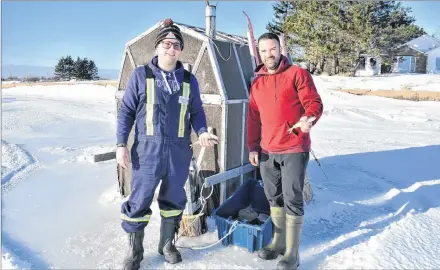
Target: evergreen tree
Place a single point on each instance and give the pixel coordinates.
(313, 26)
(77, 68)
(282, 9)
(60, 69)
(69, 66)
(389, 26)
(82, 69)
(335, 33)
(84, 66)
(92, 71)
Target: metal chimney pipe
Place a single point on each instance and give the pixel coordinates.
(210, 20)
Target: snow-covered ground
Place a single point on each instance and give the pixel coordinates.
(379, 209)
(412, 82)
(10, 82)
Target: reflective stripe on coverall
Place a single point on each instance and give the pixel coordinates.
(163, 153)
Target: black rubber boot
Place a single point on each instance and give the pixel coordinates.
(135, 253)
(293, 236)
(277, 245)
(168, 230)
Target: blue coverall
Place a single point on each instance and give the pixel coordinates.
(161, 148)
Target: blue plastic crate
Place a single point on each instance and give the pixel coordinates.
(252, 237)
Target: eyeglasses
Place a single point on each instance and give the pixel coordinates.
(167, 45)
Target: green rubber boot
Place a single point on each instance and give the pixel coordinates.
(277, 245)
(293, 236)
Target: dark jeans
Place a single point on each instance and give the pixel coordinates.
(283, 177)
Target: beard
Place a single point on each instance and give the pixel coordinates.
(272, 63)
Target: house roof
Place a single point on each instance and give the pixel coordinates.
(431, 51)
(198, 32)
(219, 35)
(423, 44)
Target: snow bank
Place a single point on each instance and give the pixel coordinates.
(8, 261)
(11, 262)
(13, 158)
(16, 164)
(86, 92)
(415, 82)
(10, 82)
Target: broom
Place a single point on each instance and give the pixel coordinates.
(195, 224)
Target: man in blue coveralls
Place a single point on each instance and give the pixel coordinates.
(164, 99)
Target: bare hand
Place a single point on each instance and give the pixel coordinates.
(253, 158)
(122, 156)
(207, 139)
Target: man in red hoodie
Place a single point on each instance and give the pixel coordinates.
(284, 105)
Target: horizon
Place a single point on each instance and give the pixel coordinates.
(105, 27)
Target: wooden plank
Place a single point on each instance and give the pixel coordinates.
(104, 156)
(225, 176)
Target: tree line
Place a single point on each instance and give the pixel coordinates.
(81, 69)
(333, 34)
(29, 79)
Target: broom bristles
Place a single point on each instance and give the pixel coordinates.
(191, 225)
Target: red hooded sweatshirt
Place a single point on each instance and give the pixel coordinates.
(278, 101)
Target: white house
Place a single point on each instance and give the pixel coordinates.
(420, 55)
(433, 61)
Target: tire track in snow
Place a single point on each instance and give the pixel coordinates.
(16, 162)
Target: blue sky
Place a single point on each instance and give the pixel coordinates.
(39, 33)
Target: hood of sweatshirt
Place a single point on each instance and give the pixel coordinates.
(169, 82)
